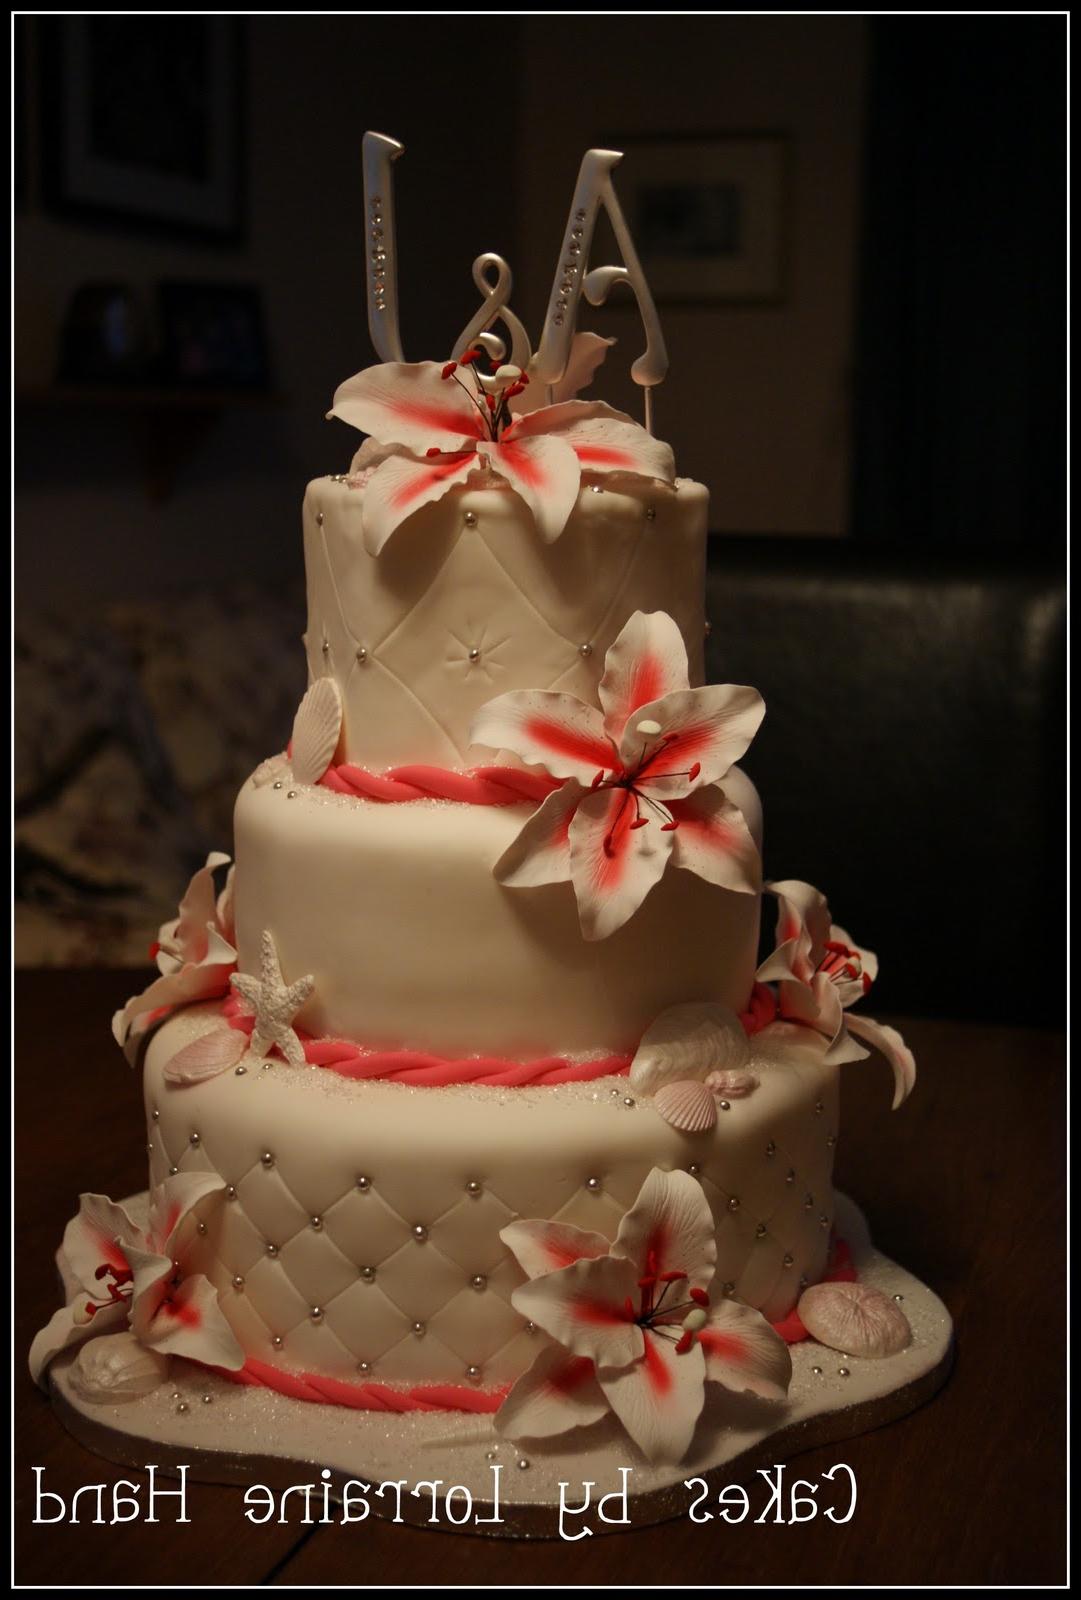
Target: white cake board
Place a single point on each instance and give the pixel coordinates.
(226, 1433)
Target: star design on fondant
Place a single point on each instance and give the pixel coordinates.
(274, 1003)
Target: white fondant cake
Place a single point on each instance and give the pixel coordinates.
(466, 1088)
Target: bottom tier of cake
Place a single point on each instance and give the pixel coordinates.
(359, 1230)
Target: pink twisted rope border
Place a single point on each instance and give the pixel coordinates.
(416, 1066)
(317, 1390)
(483, 786)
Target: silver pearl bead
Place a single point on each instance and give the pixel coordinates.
(207, 1399)
(803, 1280)
(364, 1367)
(418, 1330)
(843, 1372)
(473, 1188)
(651, 512)
(694, 1169)
(155, 1115)
(473, 1374)
(368, 1274)
(316, 1224)
(593, 1184)
(320, 518)
(470, 519)
(277, 784)
(788, 1259)
(586, 649)
(474, 654)
(709, 627)
(898, 1298)
(316, 1313)
(771, 1150)
(831, 1140)
(277, 1341)
(267, 1158)
(531, 1327)
(522, 1464)
(173, 1171)
(271, 1250)
(150, 1149)
(290, 794)
(728, 1288)
(808, 1202)
(819, 1108)
(419, 1232)
(725, 1105)
(238, 1282)
(596, 488)
(817, 1371)
(364, 1184)
(790, 1175)
(182, 1407)
(230, 1191)
(733, 1202)
(240, 1071)
(362, 654)
(490, 1455)
(628, 1100)
(823, 1221)
(193, 1139)
(478, 1281)
(325, 647)
(760, 1230)
(202, 1229)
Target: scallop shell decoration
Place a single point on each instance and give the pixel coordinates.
(854, 1318)
(688, 1106)
(267, 770)
(115, 1366)
(732, 1085)
(317, 727)
(207, 1056)
(688, 1042)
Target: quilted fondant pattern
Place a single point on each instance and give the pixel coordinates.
(315, 1253)
(466, 602)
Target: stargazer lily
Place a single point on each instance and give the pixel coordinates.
(643, 778)
(634, 1328)
(116, 1273)
(195, 952)
(434, 425)
(820, 972)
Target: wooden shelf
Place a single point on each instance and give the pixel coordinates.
(169, 423)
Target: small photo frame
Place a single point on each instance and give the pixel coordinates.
(213, 336)
(142, 120)
(710, 216)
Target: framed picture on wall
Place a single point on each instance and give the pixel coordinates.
(142, 120)
(710, 216)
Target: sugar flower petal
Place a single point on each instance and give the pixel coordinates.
(541, 1247)
(409, 403)
(587, 1307)
(558, 1392)
(744, 1353)
(614, 863)
(658, 1398)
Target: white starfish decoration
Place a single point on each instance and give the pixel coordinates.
(274, 1004)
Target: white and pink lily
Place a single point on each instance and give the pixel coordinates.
(820, 972)
(433, 426)
(116, 1273)
(642, 778)
(195, 952)
(634, 1329)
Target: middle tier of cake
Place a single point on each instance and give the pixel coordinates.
(412, 943)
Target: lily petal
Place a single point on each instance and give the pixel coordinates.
(172, 1202)
(890, 1043)
(613, 864)
(659, 1398)
(669, 1229)
(803, 927)
(409, 403)
(545, 472)
(62, 1331)
(647, 661)
(559, 1391)
(402, 484)
(198, 910)
(192, 982)
(556, 731)
(744, 1353)
(604, 440)
(541, 1247)
(713, 840)
(91, 1241)
(585, 1308)
(588, 350)
(182, 1321)
(708, 728)
(541, 853)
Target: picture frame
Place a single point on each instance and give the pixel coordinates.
(142, 122)
(710, 216)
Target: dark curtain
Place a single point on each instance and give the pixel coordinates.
(960, 369)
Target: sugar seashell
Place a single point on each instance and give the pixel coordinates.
(266, 770)
(687, 1042)
(317, 728)
(732, 1085)
(854, 1318)
(115, 1366)
(206, 1056)
(688, 1106)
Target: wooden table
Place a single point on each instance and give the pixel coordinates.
(964, 1186)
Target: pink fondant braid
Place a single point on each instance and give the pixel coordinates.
(417, 1066)
(483, 786)
(317, 1390)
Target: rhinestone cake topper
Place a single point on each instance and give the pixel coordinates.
(573, 278)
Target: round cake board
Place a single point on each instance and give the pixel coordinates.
(452, 1471)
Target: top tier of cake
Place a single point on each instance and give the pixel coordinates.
(467, 602)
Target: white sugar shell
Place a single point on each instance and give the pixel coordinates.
(732, 1085)
(687, 1042)
(854, 1318)
(207, 1056)
(273, 767)
(688, 1106)
(116, 1367)
(317, 727)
